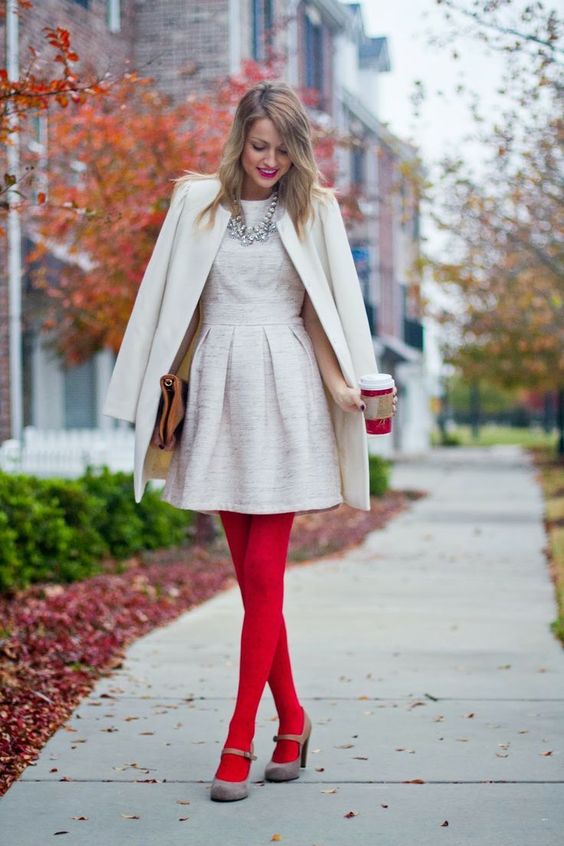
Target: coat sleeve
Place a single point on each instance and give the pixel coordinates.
(346, 290)
(127, 376)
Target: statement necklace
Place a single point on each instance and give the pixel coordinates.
(251, 234)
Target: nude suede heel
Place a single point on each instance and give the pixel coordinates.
(290, 769)
(227, 791)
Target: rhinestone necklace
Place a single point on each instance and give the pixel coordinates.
(251, 234)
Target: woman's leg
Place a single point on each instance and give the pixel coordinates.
(280, 680)
(264, 564)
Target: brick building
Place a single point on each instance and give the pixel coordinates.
(186, 45)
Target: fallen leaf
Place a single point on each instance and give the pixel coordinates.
(414, 781)
(276, 837)
(445, 823)
(79, 818)
(182, 801)
(330, 790)
(351, 814)
(344, 746)
(183, 819)
(130, 816)
(546, 754)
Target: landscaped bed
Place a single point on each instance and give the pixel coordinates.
(56, 640)
(550, 474)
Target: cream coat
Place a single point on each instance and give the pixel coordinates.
(165, 318)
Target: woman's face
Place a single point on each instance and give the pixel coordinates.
(264, 159)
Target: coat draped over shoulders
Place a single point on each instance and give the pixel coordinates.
(165, 316)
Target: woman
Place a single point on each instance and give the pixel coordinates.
(277, 338)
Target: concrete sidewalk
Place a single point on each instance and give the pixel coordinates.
(424, 654)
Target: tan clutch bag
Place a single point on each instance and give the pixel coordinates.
(171, 411)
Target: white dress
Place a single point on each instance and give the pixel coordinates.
(257, 436)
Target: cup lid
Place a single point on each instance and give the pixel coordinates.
(376, 381)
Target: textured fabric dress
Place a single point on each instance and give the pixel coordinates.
(257, 436)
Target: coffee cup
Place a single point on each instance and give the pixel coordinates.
(376, 389)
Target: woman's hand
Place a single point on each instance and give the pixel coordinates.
(349, 399)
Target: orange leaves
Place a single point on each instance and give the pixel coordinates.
(110, 172)
(34, 92)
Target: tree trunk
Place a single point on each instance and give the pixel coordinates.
(548, 415)
(475, 409)
(205, 528)
(560, 420)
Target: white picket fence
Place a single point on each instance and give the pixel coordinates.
(65, 453)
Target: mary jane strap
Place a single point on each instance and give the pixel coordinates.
(233, 751)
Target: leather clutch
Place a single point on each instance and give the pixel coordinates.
(171, 411)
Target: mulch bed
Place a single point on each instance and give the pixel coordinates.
(57, 640)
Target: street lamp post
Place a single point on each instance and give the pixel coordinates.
(14, 231)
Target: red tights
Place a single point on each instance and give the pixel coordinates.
(259, 544)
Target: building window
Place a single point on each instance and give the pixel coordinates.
(113, 15)
(364, 259)
(358, 163)
(80, 396)
(313, 49)
(261, 28)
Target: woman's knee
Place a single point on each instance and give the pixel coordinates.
(263, 576)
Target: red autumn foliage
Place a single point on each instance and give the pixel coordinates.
(46, 80)
(108, 217)
(56, 641)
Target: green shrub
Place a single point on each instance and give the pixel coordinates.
(59, 529)
(9, 559)
(127, 526)
(163, 524)
(82, 514)
(379, 474)
(120, 522)
(40, 544)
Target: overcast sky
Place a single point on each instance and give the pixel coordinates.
(406, 24)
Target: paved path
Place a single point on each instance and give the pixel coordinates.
(424, 654)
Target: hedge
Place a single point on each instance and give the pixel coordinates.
(60, 529)
(379, 474)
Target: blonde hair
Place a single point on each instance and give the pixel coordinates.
(299, 185)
